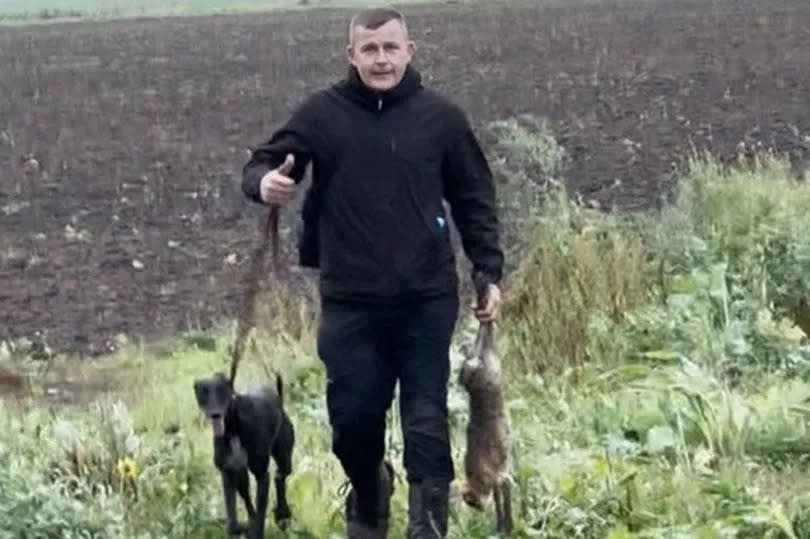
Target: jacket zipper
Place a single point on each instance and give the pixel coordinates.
(393, 285)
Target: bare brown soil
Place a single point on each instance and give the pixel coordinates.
(121, 145)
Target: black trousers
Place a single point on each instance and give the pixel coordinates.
(366, 349)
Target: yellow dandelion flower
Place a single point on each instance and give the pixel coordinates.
(127, 468)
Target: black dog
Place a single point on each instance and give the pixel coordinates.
(248, 429)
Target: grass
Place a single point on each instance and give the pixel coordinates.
(658, 382)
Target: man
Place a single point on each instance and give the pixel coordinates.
(385, 151)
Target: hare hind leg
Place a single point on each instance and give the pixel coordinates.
(502, 495)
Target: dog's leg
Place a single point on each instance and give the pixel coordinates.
(282, 454)
(262, 494)
(229, 489)
(243, 487)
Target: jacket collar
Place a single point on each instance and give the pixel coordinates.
(354, 88)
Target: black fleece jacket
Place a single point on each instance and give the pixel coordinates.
(382, 162)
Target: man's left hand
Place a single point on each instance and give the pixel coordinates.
(493, 305)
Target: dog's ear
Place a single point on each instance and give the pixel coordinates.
(199, 387)
(222, 377)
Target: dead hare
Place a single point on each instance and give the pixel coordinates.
(488, 438)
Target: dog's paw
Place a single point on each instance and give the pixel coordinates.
(235, 529)
(283, 524)
(282, 516)
(255, 530)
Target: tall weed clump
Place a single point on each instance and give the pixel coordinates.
(565, 261)
(581, 264)
(526, 162)
(722, 274)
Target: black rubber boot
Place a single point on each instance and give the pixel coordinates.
(427, 509)
(369, 519)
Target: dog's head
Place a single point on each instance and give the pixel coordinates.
(213, 396)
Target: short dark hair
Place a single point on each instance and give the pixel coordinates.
(373, 18)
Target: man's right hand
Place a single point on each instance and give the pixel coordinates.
(276, 186)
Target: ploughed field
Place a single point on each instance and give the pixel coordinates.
(121, 145)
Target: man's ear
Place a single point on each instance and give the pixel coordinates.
(349, 53)
(411, 47)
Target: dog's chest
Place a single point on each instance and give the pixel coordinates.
(235, 457)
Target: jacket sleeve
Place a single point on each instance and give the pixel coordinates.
(296, 136)
(469, 188)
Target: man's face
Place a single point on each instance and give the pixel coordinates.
(381, 55)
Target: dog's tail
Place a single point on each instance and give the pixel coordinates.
(280, 387)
